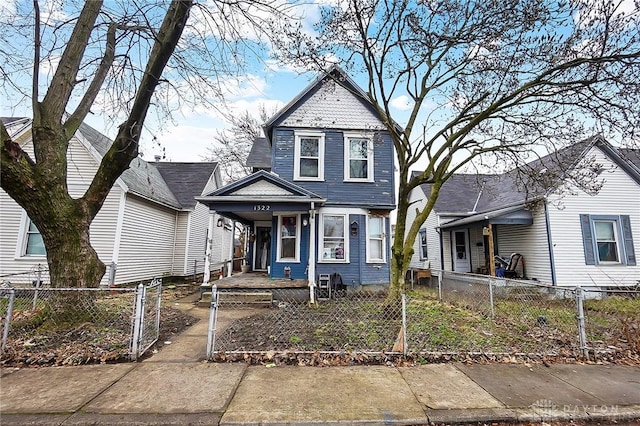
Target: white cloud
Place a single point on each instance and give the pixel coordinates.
(402, 103)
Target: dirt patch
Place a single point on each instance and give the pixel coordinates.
(89, 342)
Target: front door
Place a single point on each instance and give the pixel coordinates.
(461, 261)
(263, 248)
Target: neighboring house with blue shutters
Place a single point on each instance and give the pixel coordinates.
(319, 200)
(568, 237)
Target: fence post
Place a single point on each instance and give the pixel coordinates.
(213, 313)
(158, 282)
(440, 286)
(35, 293)
(137, 322)
(493, 313)
(582, 330)
(7, 320)
(404, 324)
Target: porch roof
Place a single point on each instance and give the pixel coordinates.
(513, 215)
(257, 196)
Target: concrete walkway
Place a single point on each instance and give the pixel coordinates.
(177, 387)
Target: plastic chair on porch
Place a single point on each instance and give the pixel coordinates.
(515, 261)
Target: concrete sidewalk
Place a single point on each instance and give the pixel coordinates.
(176, 387)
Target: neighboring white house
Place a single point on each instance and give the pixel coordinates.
(568, 235)
(149, 226)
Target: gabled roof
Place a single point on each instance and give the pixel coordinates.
(186, 180)
(145, 179)
(260, 155)
(334, 73)
(289, 191)
(470, 194)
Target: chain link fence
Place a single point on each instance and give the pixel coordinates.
(464, 314)
(41, 325)
(284, 321)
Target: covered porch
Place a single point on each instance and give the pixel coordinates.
(485, 243)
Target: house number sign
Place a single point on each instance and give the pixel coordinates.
(261, 207)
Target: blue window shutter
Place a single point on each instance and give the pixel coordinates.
(587, 240)
(627, 238)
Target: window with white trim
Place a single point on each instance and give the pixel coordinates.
(334, 243)
(375, 239)
(423, 245)
(358, 158)
(289, 238)
(607, 239)
(309, 156)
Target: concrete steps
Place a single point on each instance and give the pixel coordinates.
(240, 298)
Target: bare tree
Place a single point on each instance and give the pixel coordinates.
(232, 146)
(124, 58)
(485, 83)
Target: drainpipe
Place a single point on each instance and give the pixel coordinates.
(550, 243)
(312, 253)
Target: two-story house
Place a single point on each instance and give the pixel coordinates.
(323, 187)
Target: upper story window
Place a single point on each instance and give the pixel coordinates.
(288, 238)
(375, 239)
(333, 241)
(607, 239)
(423, 244)
(358, 158)
(309, 156)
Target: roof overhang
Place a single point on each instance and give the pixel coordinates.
(515, 215)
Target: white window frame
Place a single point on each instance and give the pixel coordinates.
(333, 212)
(422, 232)
(279, 257)
(616, 239)
(383, 240)
(347, 159)
(299, 135)
(23, 240)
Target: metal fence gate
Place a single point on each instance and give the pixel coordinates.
(145, 328)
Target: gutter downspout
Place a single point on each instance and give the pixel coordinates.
(312, 254)
(552, 262)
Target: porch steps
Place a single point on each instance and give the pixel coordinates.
(241, 298)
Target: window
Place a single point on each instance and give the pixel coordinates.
(309, 156)
(607, 239)
(375, 239)
(333, 243)
(288, 241)
(358, 158)
(606, 244)
(423, 244)
(34, 245)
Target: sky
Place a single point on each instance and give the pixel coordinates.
(189, 133)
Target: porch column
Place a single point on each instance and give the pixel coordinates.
(492, 262)
(231, 248)
(312, 253)
(207, 256)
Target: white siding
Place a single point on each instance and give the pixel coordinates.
(418, 199)
(179, 256)
(81, 170)
(531, 242)
(198, 238)
(620, 195)
(147, 241)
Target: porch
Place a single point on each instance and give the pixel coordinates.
(258, 281)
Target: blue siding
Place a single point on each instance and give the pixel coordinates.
(298, 269)
(334, 189)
